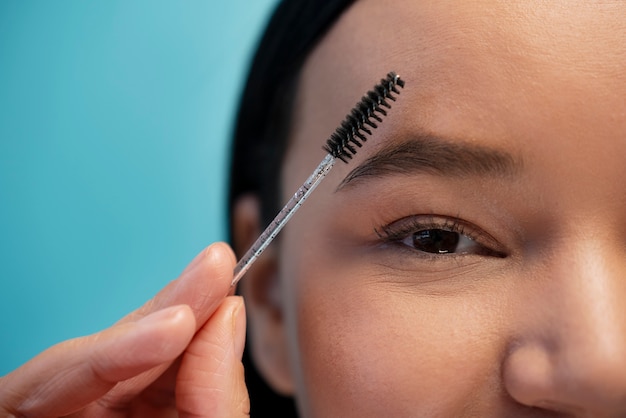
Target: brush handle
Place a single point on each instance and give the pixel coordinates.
(281, 219)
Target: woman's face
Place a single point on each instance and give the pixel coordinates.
(476, 263)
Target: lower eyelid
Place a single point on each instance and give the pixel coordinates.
(412, 253)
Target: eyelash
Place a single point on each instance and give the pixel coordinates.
(399, 231)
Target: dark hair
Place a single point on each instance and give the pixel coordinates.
(262, 128)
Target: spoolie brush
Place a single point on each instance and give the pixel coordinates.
(342, 144)
(350, 132)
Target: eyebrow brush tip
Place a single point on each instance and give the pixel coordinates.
(362, 114)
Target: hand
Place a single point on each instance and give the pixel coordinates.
(179, 355)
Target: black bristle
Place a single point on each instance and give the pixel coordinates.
(358, 119)
(377, 98)
(350, 131)
(367, 107)
(339, 145)
(361, 136)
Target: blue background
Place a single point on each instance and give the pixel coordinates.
(114, 122)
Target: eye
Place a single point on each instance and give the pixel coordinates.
(440, 241)
(440, 236)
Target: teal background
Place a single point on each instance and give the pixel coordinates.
(114, 122)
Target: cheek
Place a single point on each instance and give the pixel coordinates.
(367, 348)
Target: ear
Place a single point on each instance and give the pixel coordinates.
(260, 287)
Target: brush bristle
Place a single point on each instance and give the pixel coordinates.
(353, 131)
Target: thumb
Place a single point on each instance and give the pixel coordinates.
(210, 381)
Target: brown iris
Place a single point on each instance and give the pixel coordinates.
(436, 241)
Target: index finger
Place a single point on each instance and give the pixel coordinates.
(202, 286)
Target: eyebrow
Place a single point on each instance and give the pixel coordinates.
(434, 155)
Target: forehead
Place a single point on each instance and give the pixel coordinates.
(511, 73)
(442, 40)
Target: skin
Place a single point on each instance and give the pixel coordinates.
(528, 321)
(536, 326)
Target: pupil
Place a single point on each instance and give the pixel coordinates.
(436, 241)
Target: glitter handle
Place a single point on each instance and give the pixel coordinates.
(281, 219)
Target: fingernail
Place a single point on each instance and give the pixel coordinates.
(220, 252)
(239, 327)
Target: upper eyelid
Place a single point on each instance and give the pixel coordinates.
(413, 223)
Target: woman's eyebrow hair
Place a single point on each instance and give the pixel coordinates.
(430, 154)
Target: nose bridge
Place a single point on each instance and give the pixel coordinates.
(592, 299)
(588, 317)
